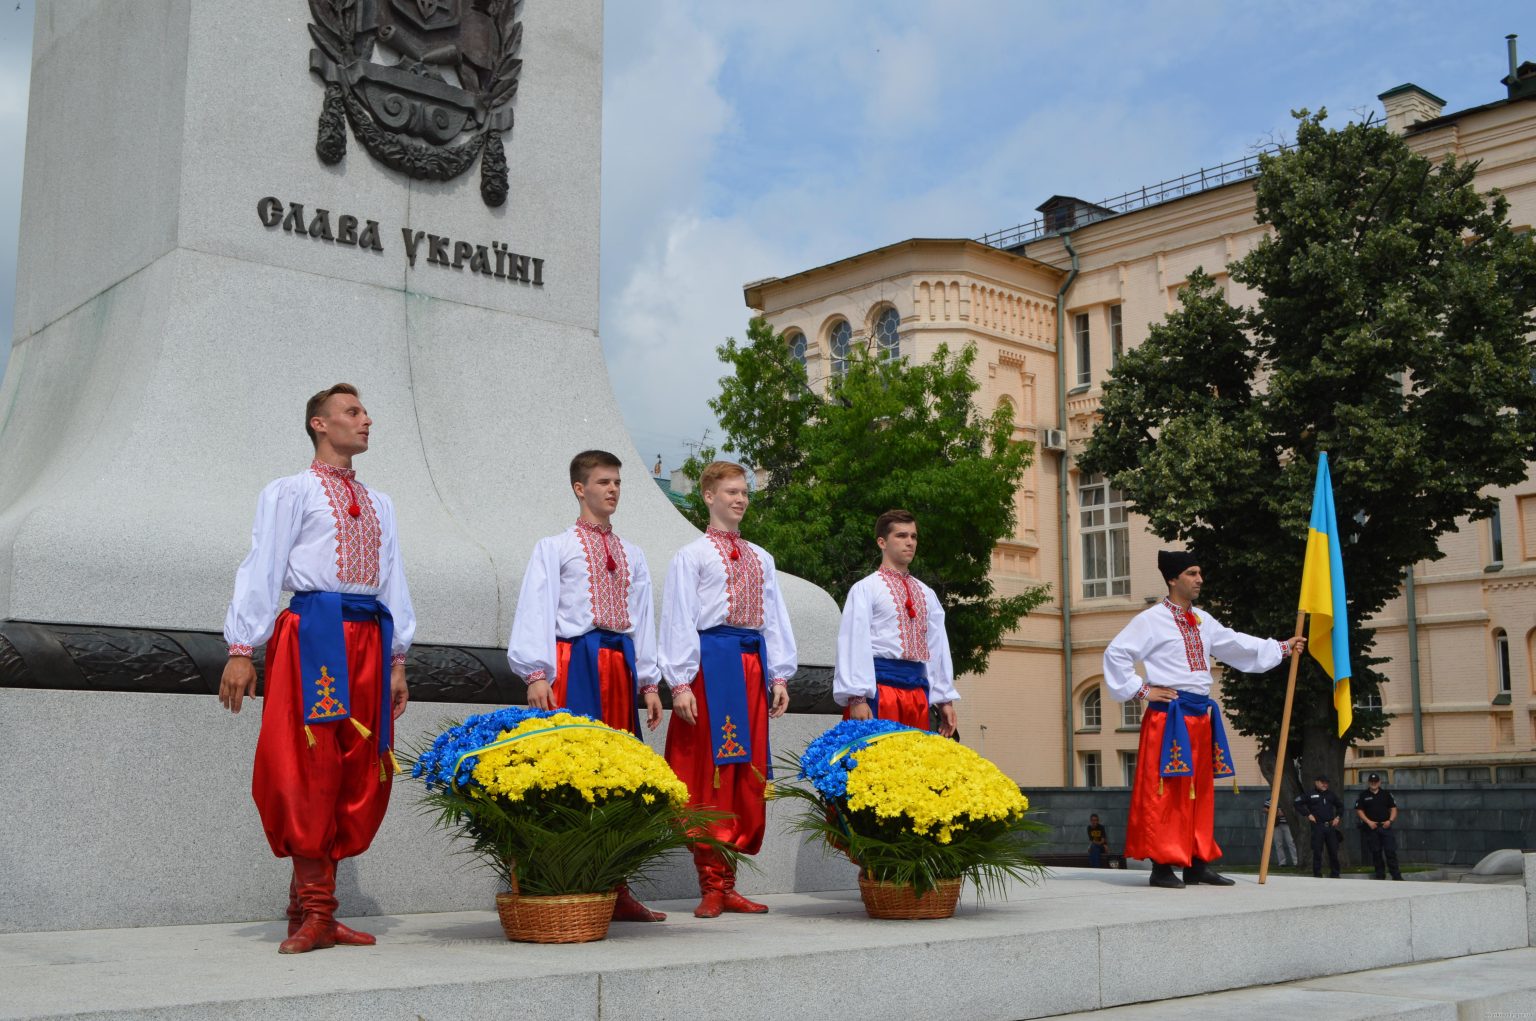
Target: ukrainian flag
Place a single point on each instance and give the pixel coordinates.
(1322, 595)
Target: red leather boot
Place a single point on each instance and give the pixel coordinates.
(628, 909)
(711, 871)
(733, 901)
(315, 883)
(346, 936)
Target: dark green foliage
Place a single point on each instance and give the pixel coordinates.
(888, 434)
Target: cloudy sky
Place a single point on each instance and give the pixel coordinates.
(744, 140)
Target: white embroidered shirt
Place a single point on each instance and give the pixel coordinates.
(305, 540)
(705, 588)
(568, 590)
(876, 623)
(1176, 654)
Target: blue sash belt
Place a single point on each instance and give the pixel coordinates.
(583, 680)
(898, 673)
(323, 677)
(725, 690)
(1175, 758)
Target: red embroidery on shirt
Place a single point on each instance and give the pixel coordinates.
(1194, 648)
(913, 626)
(609, 589)
(357, 538)
(743, 579)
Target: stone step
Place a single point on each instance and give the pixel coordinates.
(1081, 941)
(1497, 985)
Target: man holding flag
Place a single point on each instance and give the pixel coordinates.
(1322, 595)
(1183, 747)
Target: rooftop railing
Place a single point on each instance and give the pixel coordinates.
(1149, 195)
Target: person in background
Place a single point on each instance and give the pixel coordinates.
(1325, 812)
(1098, 844)
(1285, 844)
(1377, 811)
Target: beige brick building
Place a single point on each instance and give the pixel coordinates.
(1047, 337)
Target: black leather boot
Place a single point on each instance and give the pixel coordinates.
(1200, 872)
(1162, 875)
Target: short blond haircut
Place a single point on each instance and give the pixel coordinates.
(717, 472)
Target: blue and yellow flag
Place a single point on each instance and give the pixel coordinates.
(1322, 595)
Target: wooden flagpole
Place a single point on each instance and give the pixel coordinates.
(1285, 732)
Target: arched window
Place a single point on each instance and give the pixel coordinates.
(887, 335)
(796, 341)
(1130, 713)
(839, 340)
(1093, 706)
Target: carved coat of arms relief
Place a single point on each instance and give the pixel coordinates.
(426, 85)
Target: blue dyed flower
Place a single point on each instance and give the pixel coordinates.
(445, 764)
(827, 760)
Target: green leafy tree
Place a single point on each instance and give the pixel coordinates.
(887, 434)
(1390, 330)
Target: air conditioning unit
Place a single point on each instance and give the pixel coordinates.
(1053, 439)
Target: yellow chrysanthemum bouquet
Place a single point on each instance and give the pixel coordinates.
(557, 803)
(913, 809)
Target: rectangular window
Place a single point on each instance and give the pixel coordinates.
(1093, 771)
(1501, 648)
(1116, 336)
(1526, 505)
(1496, 535)
(1128, 768)
(1130, 713)
(1084, 366)
(1106, 539)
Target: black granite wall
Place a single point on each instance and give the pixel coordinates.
(1452, 824)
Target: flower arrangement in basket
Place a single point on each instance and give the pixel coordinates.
(917, 813)
(564, 808)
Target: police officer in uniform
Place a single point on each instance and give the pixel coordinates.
(1324, 811)
(1378, 812)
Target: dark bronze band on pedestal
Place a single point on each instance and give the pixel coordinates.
(83, 657)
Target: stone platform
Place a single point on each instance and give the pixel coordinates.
(1081, 941)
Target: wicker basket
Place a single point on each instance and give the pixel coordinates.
(564, 918)
(894, 900)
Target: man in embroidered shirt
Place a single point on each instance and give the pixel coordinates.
(727, 651)
(335, 669)
(584, 636)
(892, 652)
(1183, 745)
